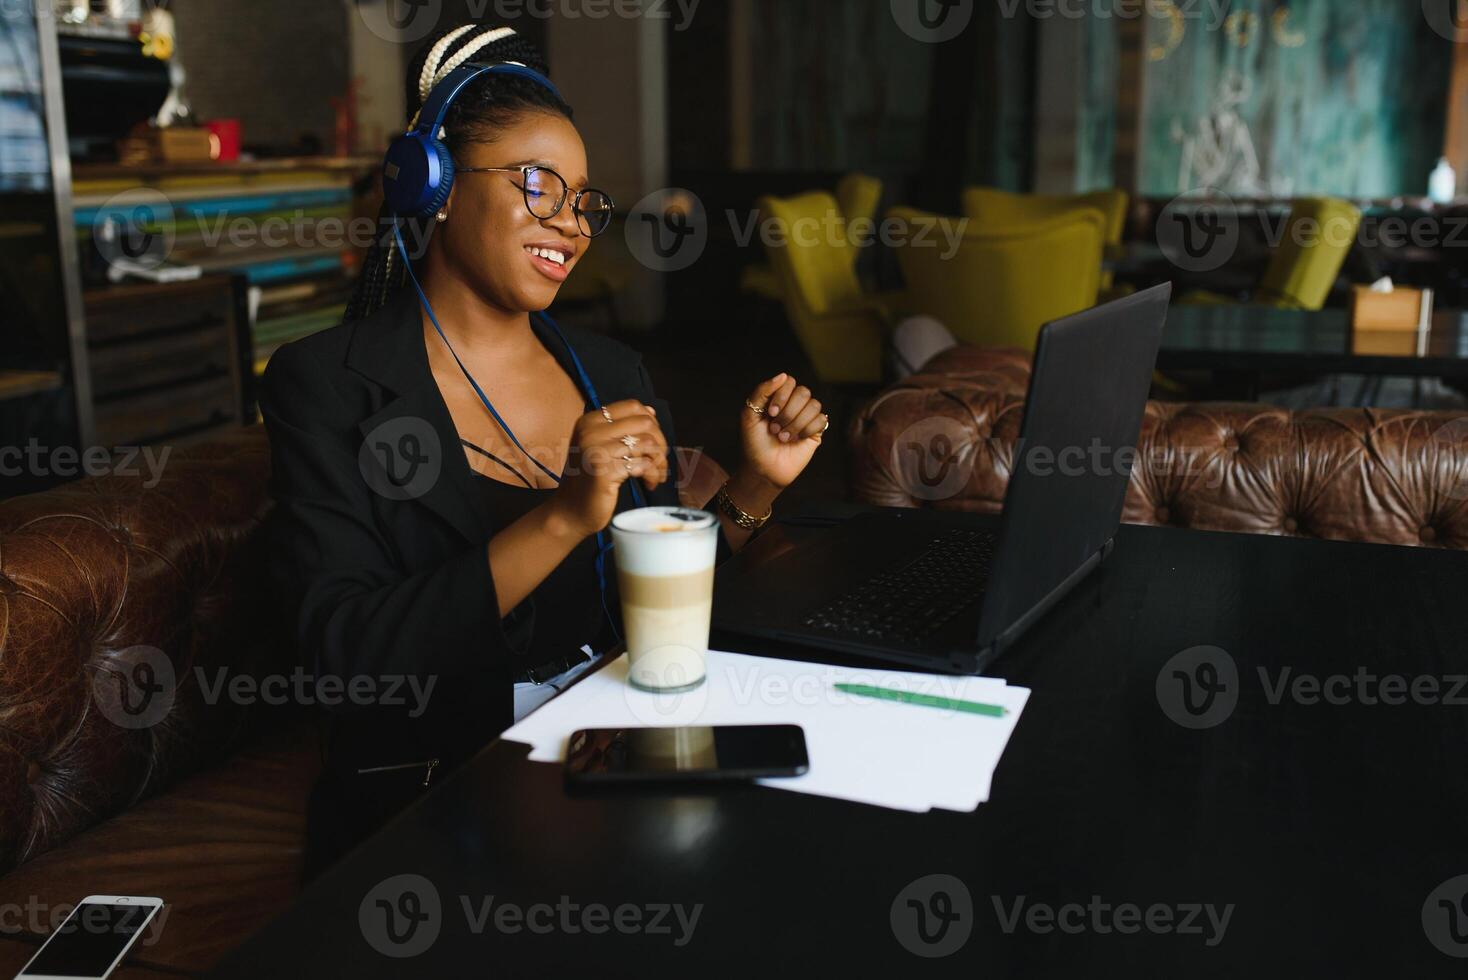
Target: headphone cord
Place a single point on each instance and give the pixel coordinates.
(603, 542)
(428, 307)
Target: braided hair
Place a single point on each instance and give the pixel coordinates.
(487, 105)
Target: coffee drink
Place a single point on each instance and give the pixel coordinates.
(665, 572)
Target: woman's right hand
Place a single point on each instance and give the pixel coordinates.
(601, 461)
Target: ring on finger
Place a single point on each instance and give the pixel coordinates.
(756, 409)
(630, 441)
(606, 413)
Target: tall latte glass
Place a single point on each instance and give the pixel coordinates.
(665, 572)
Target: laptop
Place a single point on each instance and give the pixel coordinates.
(941, 589)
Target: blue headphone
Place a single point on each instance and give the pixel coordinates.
(417, 176)
(419, 171)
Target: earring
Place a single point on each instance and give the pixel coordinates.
(442, 216)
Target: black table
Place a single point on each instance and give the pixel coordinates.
(1325, 828)
(1247, 341)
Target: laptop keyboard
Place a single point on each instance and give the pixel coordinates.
(907, 604)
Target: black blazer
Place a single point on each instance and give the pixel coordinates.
(380, 534)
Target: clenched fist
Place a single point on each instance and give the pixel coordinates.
(781, 425)
(610, 446)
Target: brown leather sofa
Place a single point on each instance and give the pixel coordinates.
(945, 438)
(110, 590)
(115, 597)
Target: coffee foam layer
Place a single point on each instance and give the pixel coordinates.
(643, 547)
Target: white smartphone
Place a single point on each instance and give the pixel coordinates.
(93, 939)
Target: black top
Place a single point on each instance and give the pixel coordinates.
(381, 531)
(573, 589)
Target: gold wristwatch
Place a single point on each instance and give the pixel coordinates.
(744, 520)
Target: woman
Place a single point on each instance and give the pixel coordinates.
(441, 477)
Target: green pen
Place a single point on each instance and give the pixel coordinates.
(926, 700)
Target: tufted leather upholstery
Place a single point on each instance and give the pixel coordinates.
(100, 579)
(89, 573)
(223, 848)
(945, 438)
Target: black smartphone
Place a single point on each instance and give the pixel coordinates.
(699, 753)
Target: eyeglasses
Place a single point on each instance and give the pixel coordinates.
(546, 193)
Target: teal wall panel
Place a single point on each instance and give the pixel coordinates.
(1344, 98)
(1096, 116)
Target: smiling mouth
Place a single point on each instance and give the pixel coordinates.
(549, 254)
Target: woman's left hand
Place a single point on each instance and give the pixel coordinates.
(780, 441)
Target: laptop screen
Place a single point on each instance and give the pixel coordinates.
(1070, 469)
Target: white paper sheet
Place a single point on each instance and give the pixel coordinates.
(903, 756)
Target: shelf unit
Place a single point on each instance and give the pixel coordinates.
(141, 362)
(290, 228)
(44, 374)
(168, 360)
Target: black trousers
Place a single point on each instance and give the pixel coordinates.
(377, 764)
(347, 808)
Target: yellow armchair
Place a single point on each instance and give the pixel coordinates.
(993, 209)
(857, 196)
(1006, 281)
(840, 329)
(1307, 261)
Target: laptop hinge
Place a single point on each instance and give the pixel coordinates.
(1007, 636)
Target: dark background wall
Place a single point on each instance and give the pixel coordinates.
(700, 99)
(836, 85)
(271, 63)
(1344, 98)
